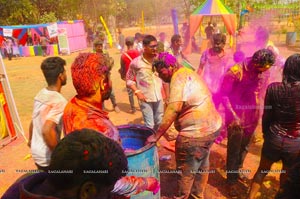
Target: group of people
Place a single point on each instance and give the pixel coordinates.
(10, 48)
(192, 105)
(169, 93)
(80, 165)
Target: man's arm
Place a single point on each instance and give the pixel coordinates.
(132, 185)
(203, 61)
(30, 134)
(225, 89)
(267, 115)
(49, 134)
(130, 82)
(173, 109)
(122, 69)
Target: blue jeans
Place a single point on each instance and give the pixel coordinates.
(152, 113)
(192, 162)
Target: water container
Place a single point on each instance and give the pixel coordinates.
(142, 159)
(291, 38)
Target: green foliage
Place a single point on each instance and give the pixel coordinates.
(48, 18)
(17, 12)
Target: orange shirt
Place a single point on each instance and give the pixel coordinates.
(79, 114)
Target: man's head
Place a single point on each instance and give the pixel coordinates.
(218, 42)
(262, 60)
(138, 37)
(129, 41)
(54, 70)
(98, 45)
(150, 45)
(93, 161)
(162, 36)
(90, 75)
(291, 70)
(176, 41)
(238, 56)
(165, 65)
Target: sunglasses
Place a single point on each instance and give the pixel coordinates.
(153, 46)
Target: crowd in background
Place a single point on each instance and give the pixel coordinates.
(223, 98)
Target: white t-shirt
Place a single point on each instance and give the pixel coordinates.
(48, 105)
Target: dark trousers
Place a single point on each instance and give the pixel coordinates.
(237, 149)
(192, 160)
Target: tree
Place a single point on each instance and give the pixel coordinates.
(17, 12)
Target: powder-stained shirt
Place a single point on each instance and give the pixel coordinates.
(146, 80)
(198, 117)
(48, 105)
(214, 68)
(79, 114)
(242, 87)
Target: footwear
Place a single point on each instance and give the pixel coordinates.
(233, 191)
(117, 110)
(243, 178)
(132, 111)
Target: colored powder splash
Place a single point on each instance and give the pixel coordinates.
(255, 36)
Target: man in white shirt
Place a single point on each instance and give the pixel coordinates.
(145, 84)
(49, 104)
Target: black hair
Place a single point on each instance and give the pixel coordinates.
(52, 67)
(291, 70)
(175, 38)
(87, 155)
(219, 37)
(148, 39)
(263, 57)
(158, 64)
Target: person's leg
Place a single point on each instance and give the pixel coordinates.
(235, 134)
(44, 50)
(131, 99)
(184, 164)
(246, 140)
(147, 112)
(264, 166)
(158, 111)
(112, 98)
(270, 153)
(290, 155)
(201, 178)
(192, 158)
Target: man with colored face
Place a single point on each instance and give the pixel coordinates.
(213, 63)
(91, 80)
(145, 84)
(176, 48)
(196, 119)
(239, 94)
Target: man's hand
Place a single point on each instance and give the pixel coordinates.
(153, 185)
(151, 139)
(141, 97)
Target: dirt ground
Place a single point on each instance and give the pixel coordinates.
(26, 80)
